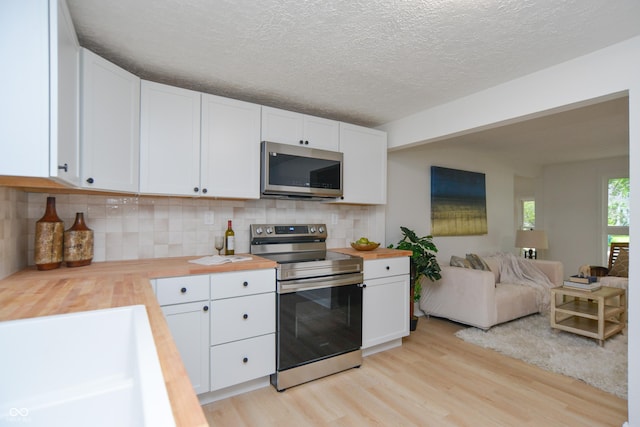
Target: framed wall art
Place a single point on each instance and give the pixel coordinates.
(458, 202)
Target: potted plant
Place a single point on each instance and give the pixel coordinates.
(423, 264)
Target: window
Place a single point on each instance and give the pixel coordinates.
(617, 211)
(528, 214)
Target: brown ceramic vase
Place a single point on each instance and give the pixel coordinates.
(49, 237)
(78, 243)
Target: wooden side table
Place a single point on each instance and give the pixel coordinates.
(598, 314)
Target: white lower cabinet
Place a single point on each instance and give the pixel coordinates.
(243, 326)
(186, 307)
(385, 303)
(224, 326)
(189, 326)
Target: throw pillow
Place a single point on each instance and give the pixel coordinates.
(620, 267)
(457, 261)
(477, 263)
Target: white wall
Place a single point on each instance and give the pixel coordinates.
(573, 210)
(409, 198)
(602, 74)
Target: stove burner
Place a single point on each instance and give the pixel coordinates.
(300, 251)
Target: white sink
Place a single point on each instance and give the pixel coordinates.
(97, 368)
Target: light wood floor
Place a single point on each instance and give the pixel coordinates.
(434, 379)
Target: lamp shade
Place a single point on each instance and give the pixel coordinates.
(536, 239)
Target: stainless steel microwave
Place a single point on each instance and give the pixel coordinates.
(291, 171)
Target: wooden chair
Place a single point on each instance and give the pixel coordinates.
(614, 251)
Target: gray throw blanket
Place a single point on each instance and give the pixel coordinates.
(522, 271)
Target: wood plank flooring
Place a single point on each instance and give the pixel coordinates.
(434, 379)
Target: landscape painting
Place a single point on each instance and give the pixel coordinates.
(458, 202)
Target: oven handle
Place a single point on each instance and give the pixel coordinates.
(319, 282)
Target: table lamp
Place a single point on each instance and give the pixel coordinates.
(531, 241)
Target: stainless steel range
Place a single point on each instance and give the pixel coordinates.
(319, 302)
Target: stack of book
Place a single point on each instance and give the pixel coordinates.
(586, 283)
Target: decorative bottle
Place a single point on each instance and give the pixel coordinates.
(49, 237)
(78, 243)
(229, 240)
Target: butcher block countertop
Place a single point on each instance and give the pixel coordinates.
(33, 293)
(377, 253)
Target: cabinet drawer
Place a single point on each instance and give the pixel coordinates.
(241, 283)
(386, 267)
(238, 318)
(241, 361)
(176, 290)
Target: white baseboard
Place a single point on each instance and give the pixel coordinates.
(234, 390)
(382, 347)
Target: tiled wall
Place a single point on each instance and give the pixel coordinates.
(153, 227)
(13, 229)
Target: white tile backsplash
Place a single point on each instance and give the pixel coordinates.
(151, 227)
(13, 230)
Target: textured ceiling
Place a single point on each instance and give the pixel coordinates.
(360, 61)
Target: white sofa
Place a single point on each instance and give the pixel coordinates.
(478, 298)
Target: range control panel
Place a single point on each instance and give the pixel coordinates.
(280, 232)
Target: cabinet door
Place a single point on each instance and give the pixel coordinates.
(365, 164)
(284, 127)
(385, 310)
(288, 127)
(65, 97)
(320, 133)
(189, 326)
(230, 156)
(169, 140)
(110, 117)
(24, 79)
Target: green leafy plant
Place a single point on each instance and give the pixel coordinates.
(423, 259)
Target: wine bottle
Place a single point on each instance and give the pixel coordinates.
(229, 240)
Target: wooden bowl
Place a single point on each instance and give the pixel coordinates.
(368, 247)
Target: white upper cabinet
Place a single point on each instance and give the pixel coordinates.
(365, 164)
(110, 125)
(65, 95)
(39, 127)
(230, 150)
(287, 127)
(169, 140)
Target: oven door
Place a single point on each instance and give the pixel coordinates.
(318, 323)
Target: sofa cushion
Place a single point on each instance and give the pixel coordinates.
(477, 263)
(457, 261)
(494, 266)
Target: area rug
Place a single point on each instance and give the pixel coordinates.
(532, 340)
